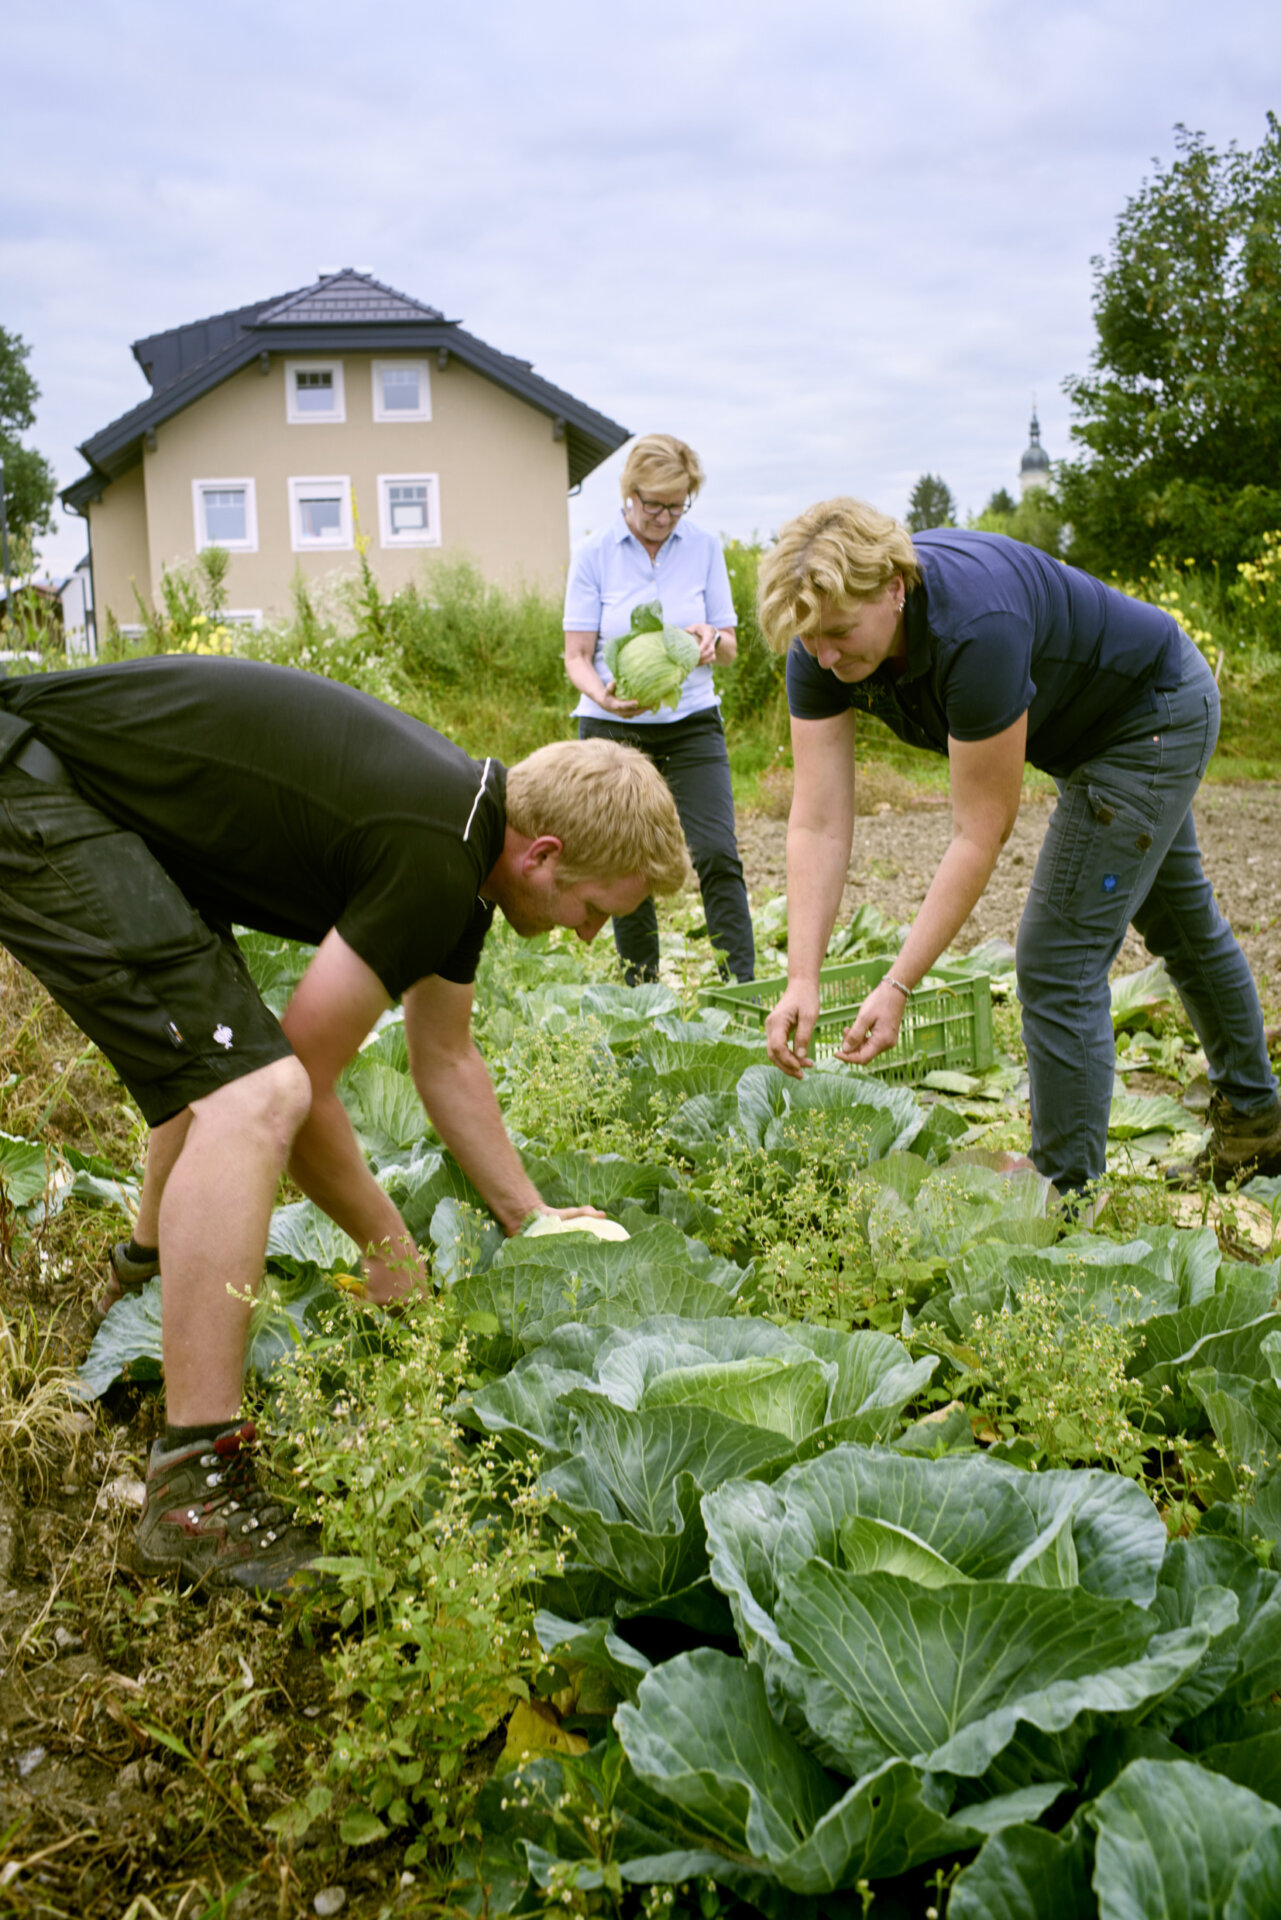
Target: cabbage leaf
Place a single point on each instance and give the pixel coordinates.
(652, 661)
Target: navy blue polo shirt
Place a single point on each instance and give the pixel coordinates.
(996, 629)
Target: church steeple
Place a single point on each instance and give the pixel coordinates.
(1034, 467)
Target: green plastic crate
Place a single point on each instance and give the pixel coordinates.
(947, 1024)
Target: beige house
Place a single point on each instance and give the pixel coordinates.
(287, 430)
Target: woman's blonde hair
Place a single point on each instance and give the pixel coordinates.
(659, 463)
(841, 551)
(609, 807)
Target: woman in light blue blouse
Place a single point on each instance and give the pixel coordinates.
(652, 551)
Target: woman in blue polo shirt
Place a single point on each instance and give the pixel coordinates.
(995, 654)
(652, 551)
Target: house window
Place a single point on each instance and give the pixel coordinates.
(409, 509)
(320, 513)
(314, 392)
(226, 515)
(402, 390)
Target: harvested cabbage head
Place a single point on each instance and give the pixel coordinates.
(603, 1229)
(652, 662)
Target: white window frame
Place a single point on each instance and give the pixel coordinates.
(391, 415)
(430, 537)
(199, 488)
(336, 482)
(295, 416)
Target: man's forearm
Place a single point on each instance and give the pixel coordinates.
(817, 863)
(460, 1099)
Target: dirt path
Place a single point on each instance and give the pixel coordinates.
(898, 845)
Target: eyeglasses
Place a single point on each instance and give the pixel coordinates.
(660, 510)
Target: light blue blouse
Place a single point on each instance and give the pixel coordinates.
(612, 573)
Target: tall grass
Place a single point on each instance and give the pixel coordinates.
(480, 662)
(484, 663)
(1237, 625)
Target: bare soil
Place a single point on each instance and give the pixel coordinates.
(901, 835)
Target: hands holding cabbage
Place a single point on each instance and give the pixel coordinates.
(650, 663)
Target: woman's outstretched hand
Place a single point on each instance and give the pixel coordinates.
(790, 1027)
(875, 1028)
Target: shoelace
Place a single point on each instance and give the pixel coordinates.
(234, 1486)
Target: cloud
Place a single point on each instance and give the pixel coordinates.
(834, 246)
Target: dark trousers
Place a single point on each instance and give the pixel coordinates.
(690, 754)
(87, 908)
(1121, 849)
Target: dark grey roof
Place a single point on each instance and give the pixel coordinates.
(344, 311)
(345, 299)
(164, 357)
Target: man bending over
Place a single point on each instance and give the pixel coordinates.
(144, 809)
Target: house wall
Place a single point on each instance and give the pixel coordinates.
(121, 550)
(503, 484)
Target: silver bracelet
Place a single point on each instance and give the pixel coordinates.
(905, 991)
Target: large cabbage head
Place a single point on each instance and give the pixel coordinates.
(651, 663)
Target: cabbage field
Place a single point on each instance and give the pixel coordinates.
(856, 1536)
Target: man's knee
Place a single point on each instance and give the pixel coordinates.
(271, 1102)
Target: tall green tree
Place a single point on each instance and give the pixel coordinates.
(932, 504)
(28, 477)
(1179, 417)
(1036, 519)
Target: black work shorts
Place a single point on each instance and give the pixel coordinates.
(87, 908)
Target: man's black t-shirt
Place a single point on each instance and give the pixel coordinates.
(287, 802)
(996, 629)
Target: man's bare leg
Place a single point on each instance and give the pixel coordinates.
(164, 1145)
(135, 1262)
(214, 1213)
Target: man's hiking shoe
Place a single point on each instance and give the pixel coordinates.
(127, 1277)
(1240, 1146)
(207, 1518)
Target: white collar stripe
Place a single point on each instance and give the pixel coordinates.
(484, 775)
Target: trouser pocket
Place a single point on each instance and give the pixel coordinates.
(1098, 855)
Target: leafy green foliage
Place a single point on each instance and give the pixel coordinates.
(792, 1503)
(432, 1545)
(28, 477)
(1037, 519)
(930, 504)
(651, 662)
(1180, 415)
(1173, 1841)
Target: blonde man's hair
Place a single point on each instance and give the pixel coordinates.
(840, 551)
(659, 463)
(609, 807)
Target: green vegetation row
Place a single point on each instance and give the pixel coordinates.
(484, 663)
(855, 1532)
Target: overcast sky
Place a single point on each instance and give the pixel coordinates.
(833, 244)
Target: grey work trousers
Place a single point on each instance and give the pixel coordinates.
(1121, 849)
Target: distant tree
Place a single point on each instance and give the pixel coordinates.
(1180, 414)
(1037, 519)
(1002, 501)
(932, 504)
(28, 477)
